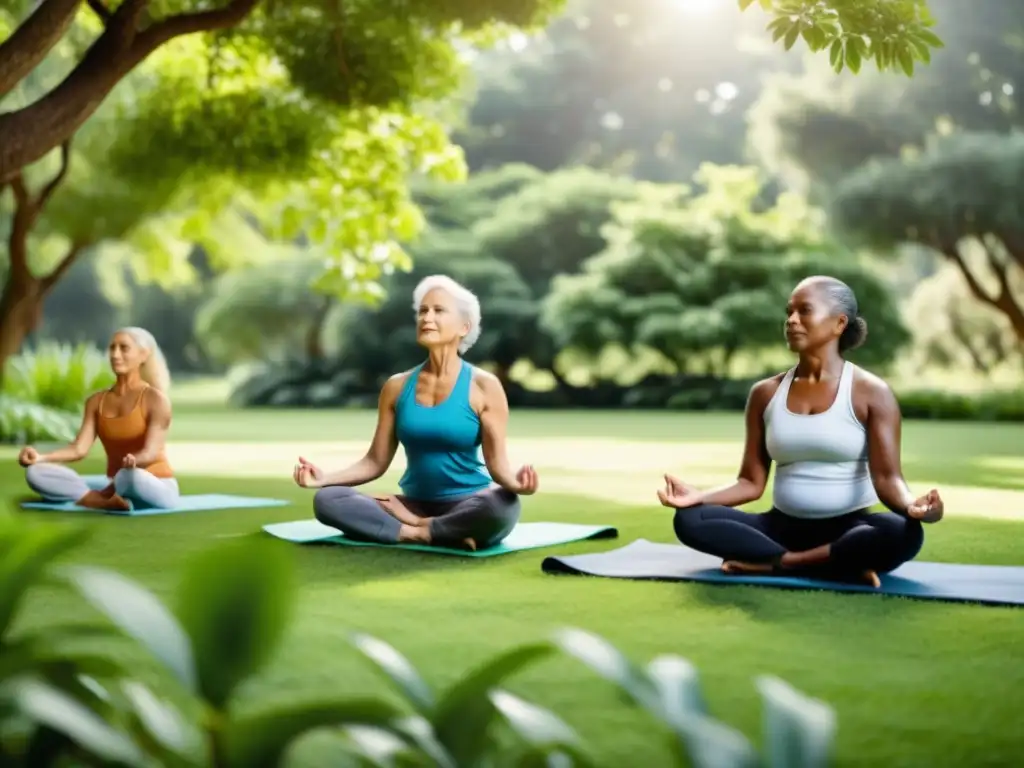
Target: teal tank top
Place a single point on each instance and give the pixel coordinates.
(442, 443)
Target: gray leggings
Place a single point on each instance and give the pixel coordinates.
(487, 516)
(56, 482)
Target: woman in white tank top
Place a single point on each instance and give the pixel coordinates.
(833, 431)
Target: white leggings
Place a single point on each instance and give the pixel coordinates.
(56, 482)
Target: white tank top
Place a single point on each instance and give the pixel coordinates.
(821, 459)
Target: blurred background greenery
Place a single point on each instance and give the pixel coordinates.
(631, 189)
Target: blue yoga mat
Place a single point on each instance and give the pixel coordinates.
(195, 503)
(642, 559)
(524, 536)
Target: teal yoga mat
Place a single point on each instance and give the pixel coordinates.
(642, 559)
(525, 536)
(195, 503)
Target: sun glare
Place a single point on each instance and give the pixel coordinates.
(700, 7)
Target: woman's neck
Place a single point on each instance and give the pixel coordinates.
(820, 365)
(443, 362)
(127, 382)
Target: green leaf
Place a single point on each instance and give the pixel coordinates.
(854, 54)
(923, 51)
(32, 552)
(462, 716)
(543, 731)
(790, 39)
(376, 746)
(399, 669)
(711, 744)
(604, 659)
(798, 730)
(928, 38)
(905, 59)
(678, 686)
(835, 53)
(260, 741)
(744, 4)
(161, 720)
(53, 709)
(235, 602)
(783, 28)
(140, 615)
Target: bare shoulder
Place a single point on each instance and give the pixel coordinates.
(486, 381)
(871, 390)
(393, 386)
(155, 399)
(764, 390)
(92, 402)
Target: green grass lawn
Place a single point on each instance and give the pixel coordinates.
(914, 683)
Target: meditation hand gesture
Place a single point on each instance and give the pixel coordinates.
(928, 509)
(526, 480)
(28, 456)
(307, 475)
(678, 494)
(129, 461)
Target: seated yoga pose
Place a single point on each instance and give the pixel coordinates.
(442, 412)
(833, 431)
(131, 420)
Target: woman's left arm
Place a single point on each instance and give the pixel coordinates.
(494, 421)
(885, 426)
(158, 422)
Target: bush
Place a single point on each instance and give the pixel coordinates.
(22, 422)
(58, 376)
(1006, 405)
(233, 607)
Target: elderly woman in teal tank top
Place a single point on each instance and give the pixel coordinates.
(833, 431)
(445, 413)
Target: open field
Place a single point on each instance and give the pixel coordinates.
(914, 683)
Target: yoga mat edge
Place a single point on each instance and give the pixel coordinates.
(644, 560)
(191, 503)
(526, 536)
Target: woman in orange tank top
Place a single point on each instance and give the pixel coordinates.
(130, 420)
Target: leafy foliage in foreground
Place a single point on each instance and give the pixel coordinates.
(233, 606)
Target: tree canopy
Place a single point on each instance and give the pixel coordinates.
(960, 198)
(699, 279)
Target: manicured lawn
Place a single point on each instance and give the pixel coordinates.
(914, 683)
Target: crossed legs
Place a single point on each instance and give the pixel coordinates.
(57, 482)
(479, 521)
(859, 544)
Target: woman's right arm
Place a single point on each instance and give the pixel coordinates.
(753, 475)
(78, 449)
(383, 447)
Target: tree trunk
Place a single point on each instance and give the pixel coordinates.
(1004, 300)
(21, 310)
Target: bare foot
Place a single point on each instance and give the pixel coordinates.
(414, 534)
(872, 579)
(469, 544)
(736, 567)
(103, 500)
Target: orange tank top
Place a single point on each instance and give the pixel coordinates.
(121, 435)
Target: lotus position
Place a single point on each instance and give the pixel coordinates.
(442, 412)
(131, 420)
(833, 430)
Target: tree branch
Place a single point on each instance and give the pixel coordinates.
(100, 8)
(49, 189)
(31, 132)
(33, 39)
(61, 269)
(976, 288)
(162, 31)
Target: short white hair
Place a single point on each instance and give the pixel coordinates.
(465, 300)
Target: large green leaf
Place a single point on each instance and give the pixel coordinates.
(376, 747)
(260, 741)
(160, 720)
(606, 660)
(464, 714)
(546, 735)
(139, 614)
(53, 709)
(30, 551)
(708, 743)
(798, 730)
(399, 669)
(235, 602)
(678, 686)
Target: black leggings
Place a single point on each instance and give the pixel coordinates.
(860, 541)
(487, 516)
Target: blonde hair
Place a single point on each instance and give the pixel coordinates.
(466, 301)
(154, 370)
